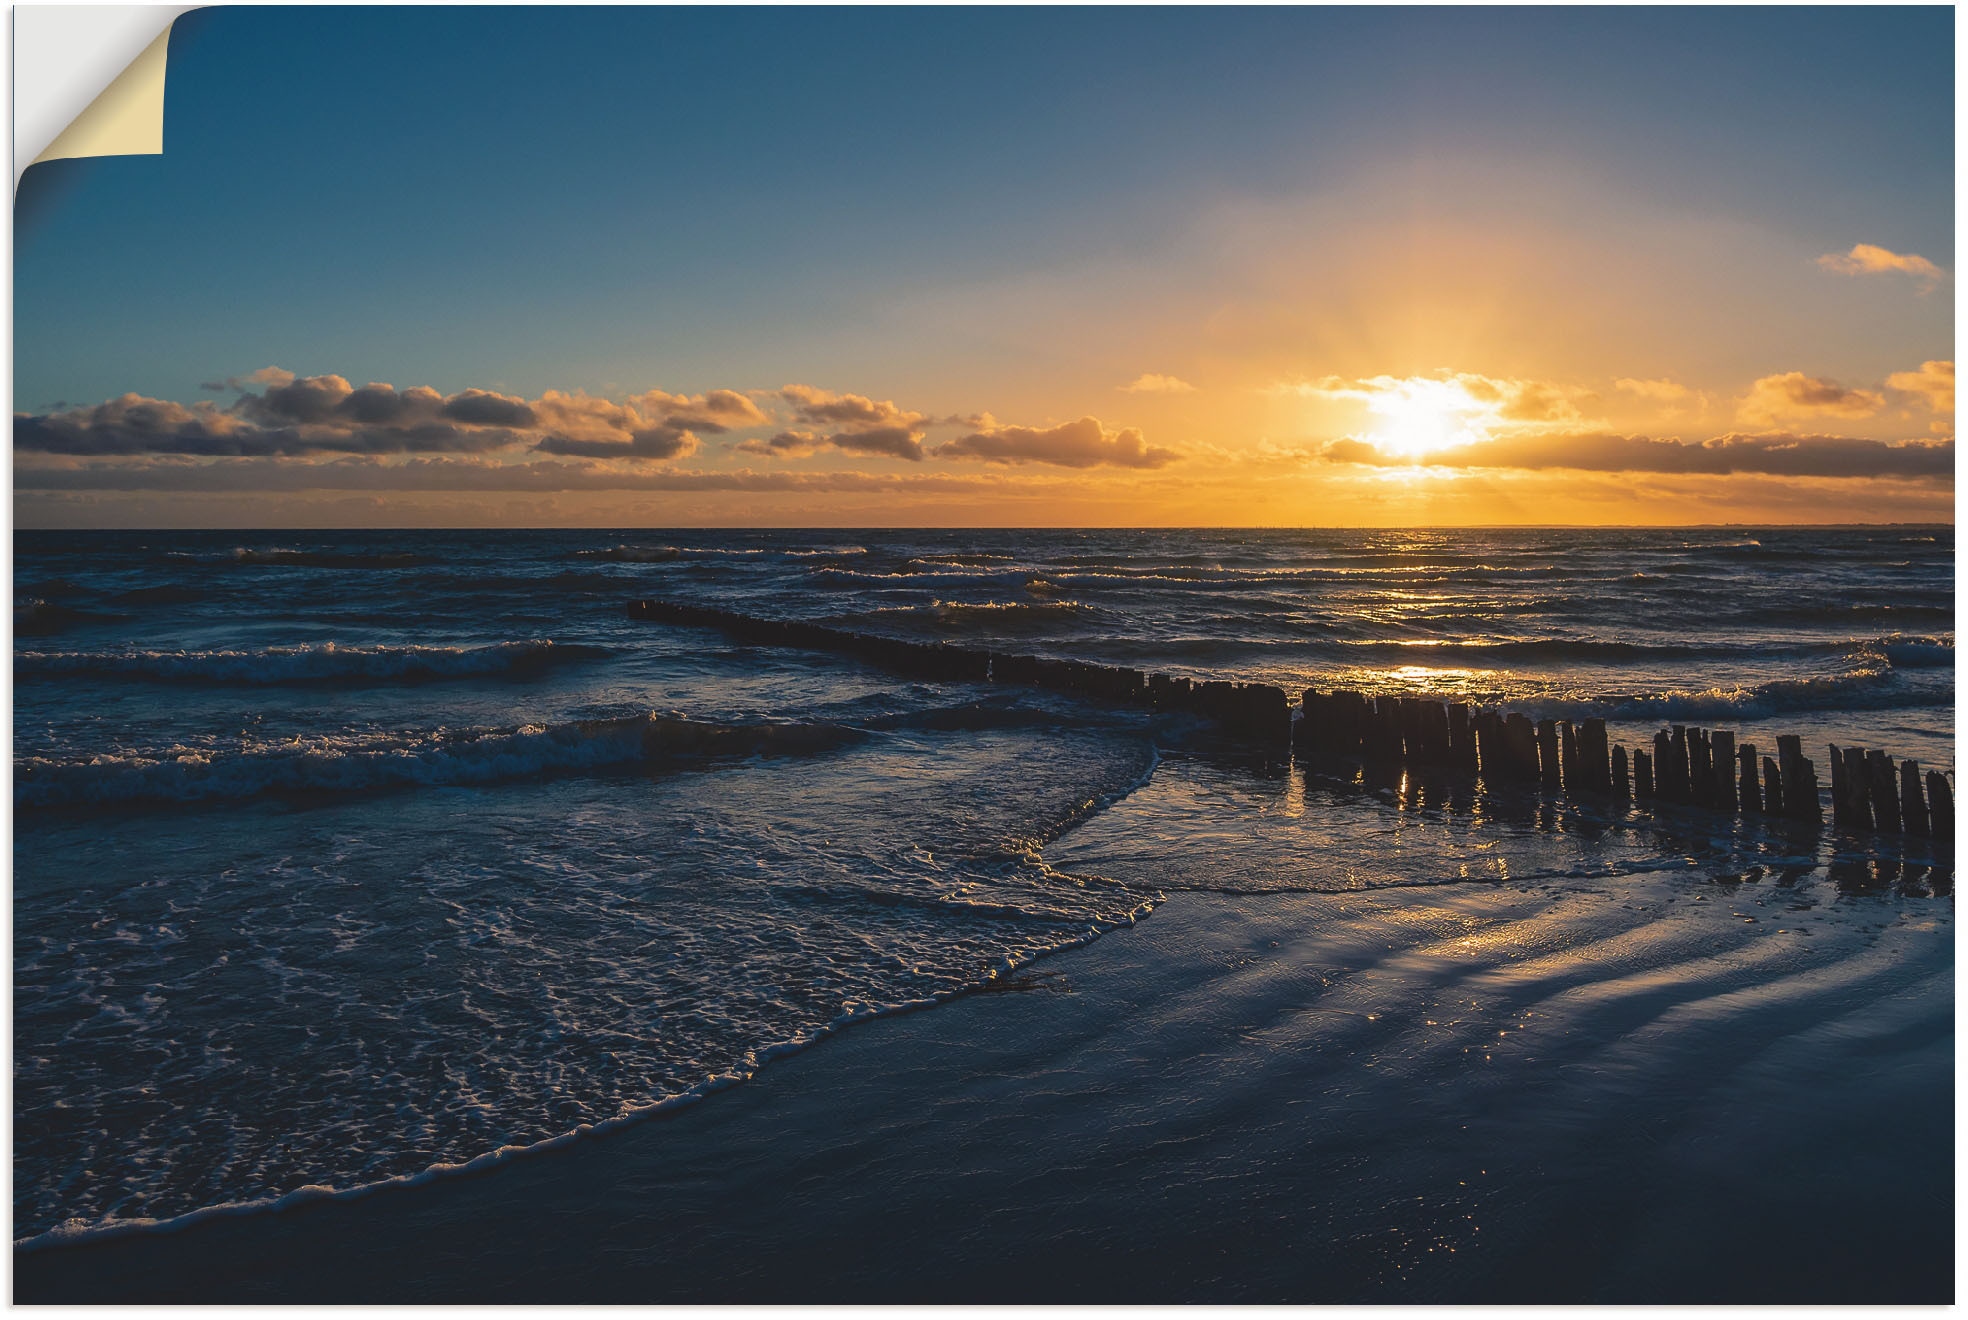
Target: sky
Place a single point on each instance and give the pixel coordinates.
(897, 266)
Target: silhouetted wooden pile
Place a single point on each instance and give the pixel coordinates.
(1685, 766)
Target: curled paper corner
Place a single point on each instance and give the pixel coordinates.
(61, 56)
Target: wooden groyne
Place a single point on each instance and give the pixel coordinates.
(1258, 711)
(1684, 765)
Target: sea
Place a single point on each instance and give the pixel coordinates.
(347, 860)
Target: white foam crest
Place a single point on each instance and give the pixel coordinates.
(1908, 652)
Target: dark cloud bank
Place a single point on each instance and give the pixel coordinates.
(278, 415)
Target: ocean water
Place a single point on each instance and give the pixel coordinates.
(344, 859)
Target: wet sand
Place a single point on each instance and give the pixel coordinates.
(1662, 1089)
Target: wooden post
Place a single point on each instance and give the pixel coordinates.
(1547, 745)
(1663, 761)
(1396, 720)
(1328, 736)
(1750, 790)
(1486, 726)
(1701, 770)
(1722, 777)
(1800, 779)
(1801, 792)
(1568, 756)
(1270, 707)
(1355, 714)
(1913, 807)
(1620, 789)
(1521, 735)
(1790, 750)
(1393, 742)
(1841, 790)
(1462, 737)
(1441, 737)
(1773, 788)
(1940, 806)
(1679, 780)
(1858, 787)
(1643, 776)
(1311, 720)
(1593, 756)
(1883, 791)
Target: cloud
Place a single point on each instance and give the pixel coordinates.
(714, 412)
(288, 416)
(295, 416)
(1497, 395)
(1422, 414)
(824, 408)
(1866, 259)
(880, 442)
(1933, 384)
(787, 444)
(1150, 383)
(658, 442)
(1661, 391)
(1081, 444)
(133, 424)
(1462, 402)
(482, 408)
(887, 441)
(1794, 394)
(1670, 397)
(264, 376)
(1523, 400)
(1777, 454)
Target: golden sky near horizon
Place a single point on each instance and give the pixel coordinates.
(1487, 268)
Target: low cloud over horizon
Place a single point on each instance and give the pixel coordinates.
(1771, 454)
(279, 415)
(1450, 441)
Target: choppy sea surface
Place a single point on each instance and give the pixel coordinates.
(343, 858)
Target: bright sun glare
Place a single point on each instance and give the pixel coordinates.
(1422, 417)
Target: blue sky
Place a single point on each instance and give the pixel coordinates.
(1008, 211)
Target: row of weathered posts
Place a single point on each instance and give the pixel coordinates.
(1259, 711)
(1685, 766)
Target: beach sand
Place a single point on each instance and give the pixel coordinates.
(1658, 1089)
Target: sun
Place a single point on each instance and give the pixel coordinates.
(1423, 417)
